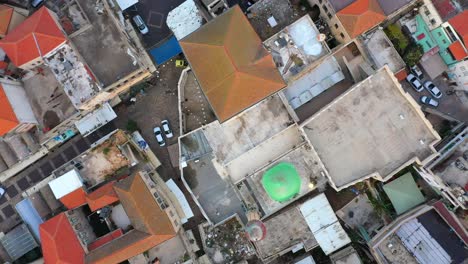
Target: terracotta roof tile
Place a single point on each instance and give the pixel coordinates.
(74, 199)
(6, 12)
(457, 50)
(8, 119)
(361, 16)
(105, 239)
(59, 242)
(233, 68)
(104, 195)
(460, 24)
(37, 35)
(151, 225)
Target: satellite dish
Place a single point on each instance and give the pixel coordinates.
(321, 37)
(255, 230)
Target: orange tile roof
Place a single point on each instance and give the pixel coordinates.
(457, 50)
(361, 16)
(401, 75)
(233, 68)
(105, 239)
(104, 195)
(59, 242)
(6, 12)
(460, 24)
(36, 36)
(8, 119)
(74, 199)
(151, 224)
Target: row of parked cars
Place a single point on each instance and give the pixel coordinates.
(415, 79)
(166, 131)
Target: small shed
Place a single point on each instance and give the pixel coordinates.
(404, 193)
(29, 215)
(166, 51)
(96, 119)
(66, 184)
(124, 4)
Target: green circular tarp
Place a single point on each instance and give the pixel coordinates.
(282, 182)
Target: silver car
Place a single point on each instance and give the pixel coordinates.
(140, 24)
(415, 82)
(433, 89)
(167, 129)
(158, 134)
(429, 101)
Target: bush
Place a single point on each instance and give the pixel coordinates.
(106, 151)
(413, 54)
(398, 38)
(132, 126)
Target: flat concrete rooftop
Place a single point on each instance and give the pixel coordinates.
(284, 231)
(247, 130)
(372, 130)
(382, 51)
(103, 46)
(50, 104)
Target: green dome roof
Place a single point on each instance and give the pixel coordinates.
(282, 182)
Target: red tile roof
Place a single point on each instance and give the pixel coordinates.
(59, 242)
(445, 8)
(105, 239)
(101, 197)
(457, 50)
(361, 16)
(74, 199)
(401, 75)
(6, 12)
(460, 24)
(8, 119)
(38, 35)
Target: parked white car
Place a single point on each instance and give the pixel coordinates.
(429, 101)
(415, 82)
(140, 24)
(416, 71)
(167, 129)
(433, 89)
(159, 136)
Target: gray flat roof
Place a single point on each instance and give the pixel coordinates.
(372, 130)
(248, 129)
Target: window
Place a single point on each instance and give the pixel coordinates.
(329, 15)
(325, 8)
(320, 1)
(444, 41)
(439, 33)
(342, 35)
(336, 26)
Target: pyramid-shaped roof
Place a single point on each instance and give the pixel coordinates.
(38, 35)
(233, 68)
(8, 119)
(459, 23)
(6, 12)
(361, 16)
(102, 196)
(60, 244)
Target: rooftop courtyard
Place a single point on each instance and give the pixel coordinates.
(372, 130)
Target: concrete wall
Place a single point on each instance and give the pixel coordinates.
(18, 100)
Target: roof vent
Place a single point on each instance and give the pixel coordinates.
(402, 117)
